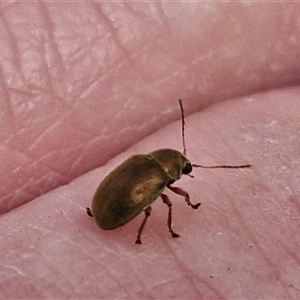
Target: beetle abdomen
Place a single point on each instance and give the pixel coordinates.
(129, 188)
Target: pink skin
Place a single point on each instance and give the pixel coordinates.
(82, 82)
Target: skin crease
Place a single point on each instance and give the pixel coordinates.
(81, 83)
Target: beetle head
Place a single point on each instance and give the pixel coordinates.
(173, 162)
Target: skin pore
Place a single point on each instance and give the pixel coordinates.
(84, 86)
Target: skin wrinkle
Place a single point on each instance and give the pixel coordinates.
(47, 131)
(27, 189)
(118, 280)
(13, 46)
(65, 289)
(177, 265)
(206, 283)
(39, 162)
(148, 288)
(295, 204)
(17, 63)
(293, 256)
(162, 16)
(120, 113)
(143, 286)
(30, 166)
(181, 266)
(80, 156)
(261, 251)
(59, 61)
(51, 38)
(17, 56)
(83, 146)
(7, 101)
(103, 18)
(17, 270)
(106, 272)
(107, 22)
(99, 77)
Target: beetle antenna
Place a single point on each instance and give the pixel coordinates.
(222, 166)
(182, 127)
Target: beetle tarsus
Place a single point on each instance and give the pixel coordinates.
(195, 206)
(89, 212)
(174, 234)
(186, 196)
(138, 241)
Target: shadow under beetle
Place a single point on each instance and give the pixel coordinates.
(137, 182)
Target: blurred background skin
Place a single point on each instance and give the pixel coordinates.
(82, 82)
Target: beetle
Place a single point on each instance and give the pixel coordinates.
(132, 186)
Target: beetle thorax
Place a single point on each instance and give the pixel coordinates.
(172, 161)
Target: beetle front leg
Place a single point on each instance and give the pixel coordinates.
(181, 192)
(167, 201)
(147, 211)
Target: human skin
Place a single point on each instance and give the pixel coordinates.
(84, 86)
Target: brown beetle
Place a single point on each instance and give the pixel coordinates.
(137, 182)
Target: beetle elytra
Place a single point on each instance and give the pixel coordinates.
(132, 186)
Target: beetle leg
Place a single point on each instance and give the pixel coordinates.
(147, 211)
(88, 211)
(167, 201)
(181, 192)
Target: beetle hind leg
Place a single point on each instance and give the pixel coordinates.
(89, 212)
(147, 211)
(167, 201)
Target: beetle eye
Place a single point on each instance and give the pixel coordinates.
(187, 168)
